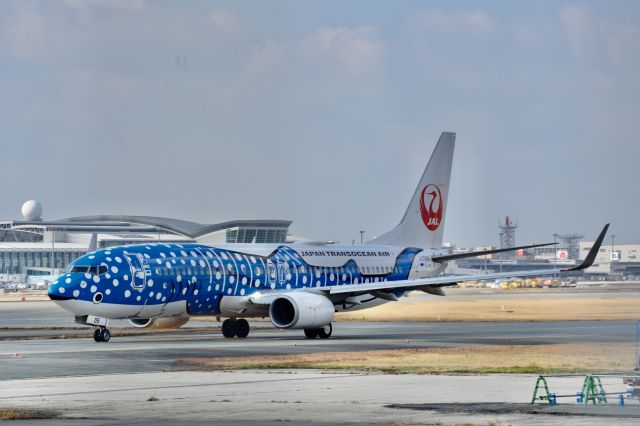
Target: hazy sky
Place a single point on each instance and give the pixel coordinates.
(324, 113)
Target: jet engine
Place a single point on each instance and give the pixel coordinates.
(159, 323)
(301, 310)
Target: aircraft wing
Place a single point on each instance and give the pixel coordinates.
(455, 279)
(448, 257)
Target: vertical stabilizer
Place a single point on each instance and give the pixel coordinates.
(423, 223)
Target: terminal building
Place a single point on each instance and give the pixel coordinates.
(619, 260)
(33, 250)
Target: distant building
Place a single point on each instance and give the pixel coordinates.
(624, 259)
(38, 249)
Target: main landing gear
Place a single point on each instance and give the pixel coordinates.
(322, 332)
(101, 334)
(232, 327)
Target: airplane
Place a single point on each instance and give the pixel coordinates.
(297, 286)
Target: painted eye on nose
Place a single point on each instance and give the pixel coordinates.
(97, 298)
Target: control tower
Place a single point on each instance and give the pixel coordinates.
(571, 242)
(508, 237)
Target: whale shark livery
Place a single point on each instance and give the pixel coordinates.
(298, 286)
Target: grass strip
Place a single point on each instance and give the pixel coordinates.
(20, 414)
(530, 359)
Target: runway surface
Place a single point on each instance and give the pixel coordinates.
(258, 397)
(45, 313)
(144, 353)
(90, 383)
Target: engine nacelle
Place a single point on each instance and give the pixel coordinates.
(301, 310)
(159, 323)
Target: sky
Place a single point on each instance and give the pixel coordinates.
(324, 113)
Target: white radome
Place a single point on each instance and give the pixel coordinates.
(31, 210)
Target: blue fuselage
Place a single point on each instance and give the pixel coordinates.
(160, 279)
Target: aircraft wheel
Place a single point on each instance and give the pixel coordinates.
(105, 335)
(229, 328)
(242, 328)
(311, 333)
(97, 335)
(325, 332)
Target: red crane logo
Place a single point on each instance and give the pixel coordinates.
(431, 216)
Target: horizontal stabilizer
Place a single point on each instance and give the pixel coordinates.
(449, 257)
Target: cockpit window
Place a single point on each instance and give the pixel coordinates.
(95, 270)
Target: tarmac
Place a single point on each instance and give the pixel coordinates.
(307, 397)
(58, 356)
(133, 379)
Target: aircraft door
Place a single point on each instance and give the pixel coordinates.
(138, 270)
(272, 273)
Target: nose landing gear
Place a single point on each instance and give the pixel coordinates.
(232, 327)
(101, 334)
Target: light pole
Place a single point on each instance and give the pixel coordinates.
(612, 251)
(361, 237)
(555, 248)
(501, 234)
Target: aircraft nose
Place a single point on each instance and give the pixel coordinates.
(58, 291)
(53, 296)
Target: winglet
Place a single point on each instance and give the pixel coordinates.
(591, 256)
